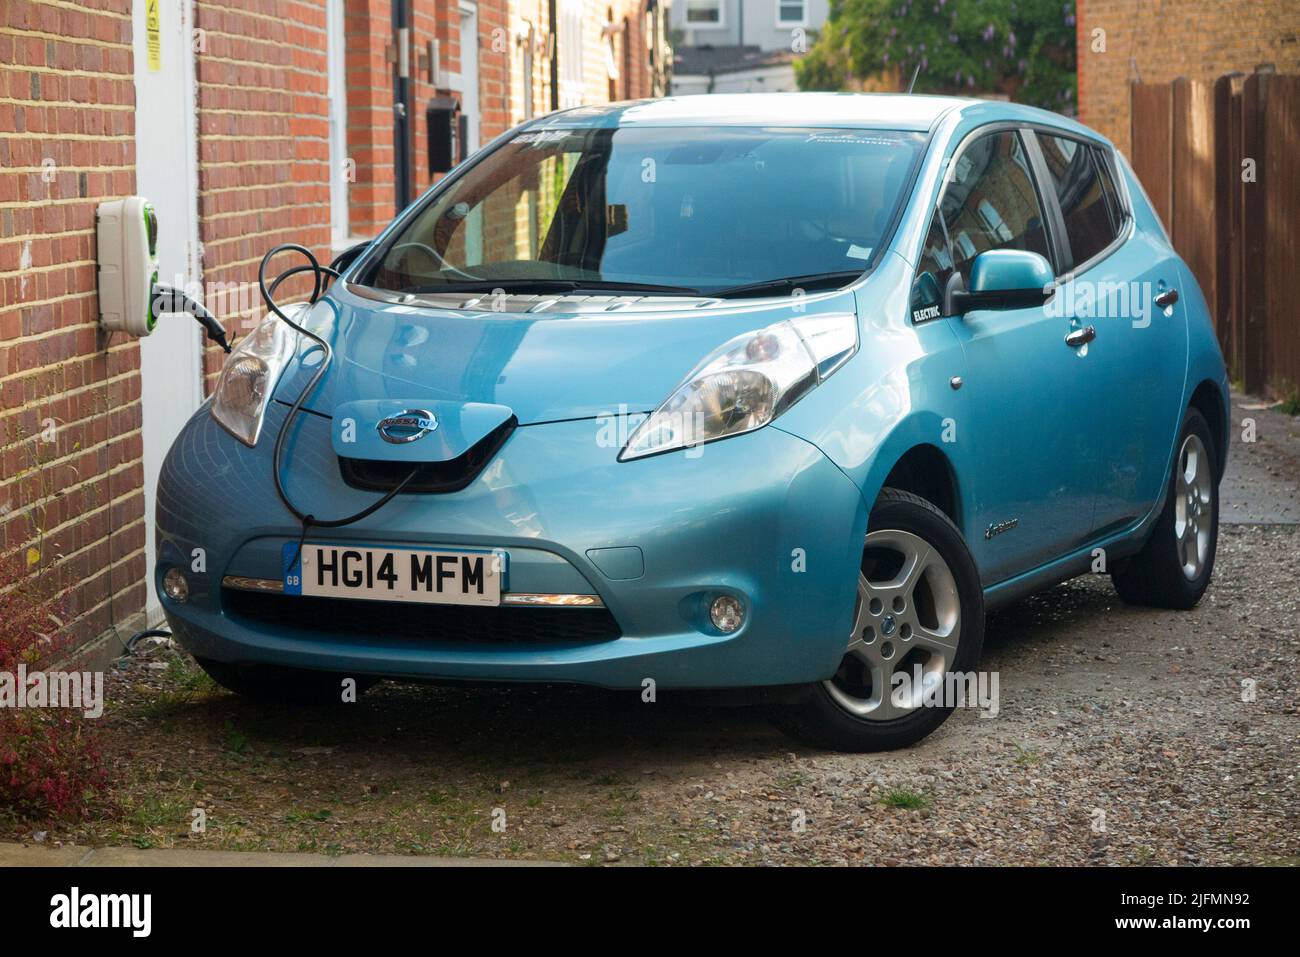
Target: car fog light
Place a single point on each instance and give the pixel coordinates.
(175, 585)
(727, 614)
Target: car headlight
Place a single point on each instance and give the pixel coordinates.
(249, 377)
(746, 383)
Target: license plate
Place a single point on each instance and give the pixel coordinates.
(371, 573)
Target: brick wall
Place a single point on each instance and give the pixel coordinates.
(370, 115)
(72, 507)
(263, 138)
(1160, 40)
(71, 502)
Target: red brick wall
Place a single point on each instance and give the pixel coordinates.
(263, 137)
(1166, 39)
(497, 55)
(370, 115)
(441, 22)
(71, 509)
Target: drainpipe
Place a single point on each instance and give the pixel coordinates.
(403, 103)
(555, 55)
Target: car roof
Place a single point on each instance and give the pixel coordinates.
(884, 111)
(852, 110)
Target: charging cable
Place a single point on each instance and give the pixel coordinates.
(168, 299)
(320, 279)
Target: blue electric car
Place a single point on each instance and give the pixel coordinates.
(776, 391)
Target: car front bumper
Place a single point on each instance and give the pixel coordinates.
(765, 517)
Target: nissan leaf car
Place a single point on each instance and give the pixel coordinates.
(780, 392)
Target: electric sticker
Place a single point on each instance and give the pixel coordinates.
(153, 36)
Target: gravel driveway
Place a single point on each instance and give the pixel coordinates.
(1125, 736)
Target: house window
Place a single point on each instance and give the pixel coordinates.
(790, 13)
(572, 48)
(704, 12)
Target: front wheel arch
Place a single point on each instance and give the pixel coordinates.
(820, 718)
(1208, 399)
(924, 471)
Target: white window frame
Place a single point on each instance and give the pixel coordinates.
(336, 85)
(719, 24)
(803, 17)
(572, 53)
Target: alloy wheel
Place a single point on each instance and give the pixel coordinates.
(1193, 506)
(907, 617)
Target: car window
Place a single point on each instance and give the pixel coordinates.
(1072, 168)
(1114, 201)
(990, 202)
(932, 273)
(701, 208)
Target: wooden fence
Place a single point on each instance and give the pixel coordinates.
(1221, 163)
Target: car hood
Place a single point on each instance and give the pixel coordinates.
(544, 358)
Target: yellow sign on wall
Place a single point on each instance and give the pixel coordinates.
(152, 36)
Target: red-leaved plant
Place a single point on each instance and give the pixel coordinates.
(50, 767)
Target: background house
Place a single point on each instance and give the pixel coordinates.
(741, 46)
(1141, 41)
(246, 125)
(731, 69)
(1211, 124)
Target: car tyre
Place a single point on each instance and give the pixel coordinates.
(282, 685)
(829, 715)
(1174, 568)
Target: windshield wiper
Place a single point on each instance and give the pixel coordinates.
(790, 282)
(554, 285)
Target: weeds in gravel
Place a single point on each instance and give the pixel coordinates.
(235, 741)
(294, 817)
(1026, 757)
(1291, 402)
(790, 779)
(909, 800)
(188, 677)
(619, 803)
(188, 683)
(151, 821)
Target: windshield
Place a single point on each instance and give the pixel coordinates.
(680, 209)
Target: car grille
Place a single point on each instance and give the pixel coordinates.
(436, 624)
(377, 475)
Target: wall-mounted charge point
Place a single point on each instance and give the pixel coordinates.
(127, 231)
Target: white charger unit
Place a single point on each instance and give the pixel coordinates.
(127, 231)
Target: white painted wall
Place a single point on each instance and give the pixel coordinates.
(772, 79)
(167, 174)
(760, 23)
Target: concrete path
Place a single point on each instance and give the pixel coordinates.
(22, 855)
(1262, 484)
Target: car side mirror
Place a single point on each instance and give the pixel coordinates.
(1005, 279)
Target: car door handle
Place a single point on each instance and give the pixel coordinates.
(1167, 298)
(1081, 337)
